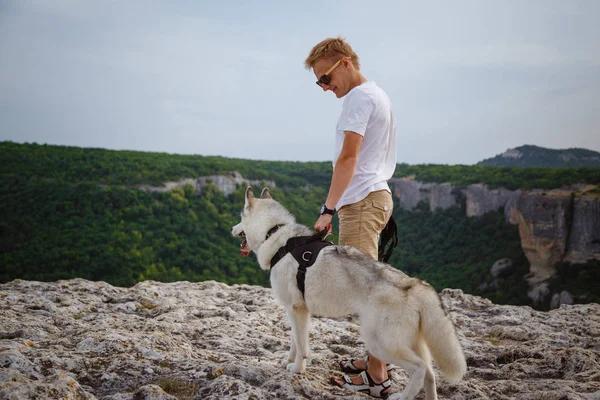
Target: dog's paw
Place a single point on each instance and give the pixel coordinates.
(295, 369)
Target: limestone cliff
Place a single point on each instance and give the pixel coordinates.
(78, 339)
(480, 200)
(557, 225)
(544, 223)
(226, 183)
(410, 193)
(584, 237)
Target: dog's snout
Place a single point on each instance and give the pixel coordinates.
(238, 231)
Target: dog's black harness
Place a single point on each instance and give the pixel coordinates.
(304, 249)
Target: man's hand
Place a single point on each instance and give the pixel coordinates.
(323, 222)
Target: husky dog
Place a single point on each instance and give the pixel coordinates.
(402, 320)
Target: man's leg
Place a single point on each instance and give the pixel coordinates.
(360, 226)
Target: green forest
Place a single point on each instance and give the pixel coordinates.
(72, 212)
(75, 164)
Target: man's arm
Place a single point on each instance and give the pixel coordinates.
(344, 168)
(342, 175)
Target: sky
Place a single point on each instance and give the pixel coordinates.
(467, 79)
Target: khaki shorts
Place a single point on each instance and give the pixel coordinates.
(362, 222)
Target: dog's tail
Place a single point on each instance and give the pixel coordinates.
(438, 331)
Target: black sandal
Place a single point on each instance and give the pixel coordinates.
(348, 366)
(368, 386)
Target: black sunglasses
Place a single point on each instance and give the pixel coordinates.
(325, 78)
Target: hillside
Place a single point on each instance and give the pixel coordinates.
(34, 162)
(540, 157)
(123, 217)
(78, 339)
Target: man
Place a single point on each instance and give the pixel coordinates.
(364, 159)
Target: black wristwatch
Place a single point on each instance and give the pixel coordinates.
(325, 210)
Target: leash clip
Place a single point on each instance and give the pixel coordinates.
(309, 254)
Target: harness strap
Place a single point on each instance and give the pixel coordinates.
(294, 242)
(305, 250)
(306, 255)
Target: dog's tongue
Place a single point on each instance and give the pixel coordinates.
(243, 250)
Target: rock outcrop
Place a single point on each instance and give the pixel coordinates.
(478, 198)
(226, 183)
(78, 339)
(544, 227)
(555, 225)
(481, 200)
(410, 193)
(584, 236)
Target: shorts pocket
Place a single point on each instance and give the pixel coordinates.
(381, 206)
(383, 212)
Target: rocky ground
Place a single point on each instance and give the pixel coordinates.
(78, 339)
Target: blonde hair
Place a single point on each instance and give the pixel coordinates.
(331, 48)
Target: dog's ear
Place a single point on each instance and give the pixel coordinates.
(265, 194)
(250, 199)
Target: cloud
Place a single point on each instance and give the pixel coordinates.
(465, 78)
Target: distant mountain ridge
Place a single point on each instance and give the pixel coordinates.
(535, 156)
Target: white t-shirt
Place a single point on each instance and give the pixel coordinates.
(367, 110)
